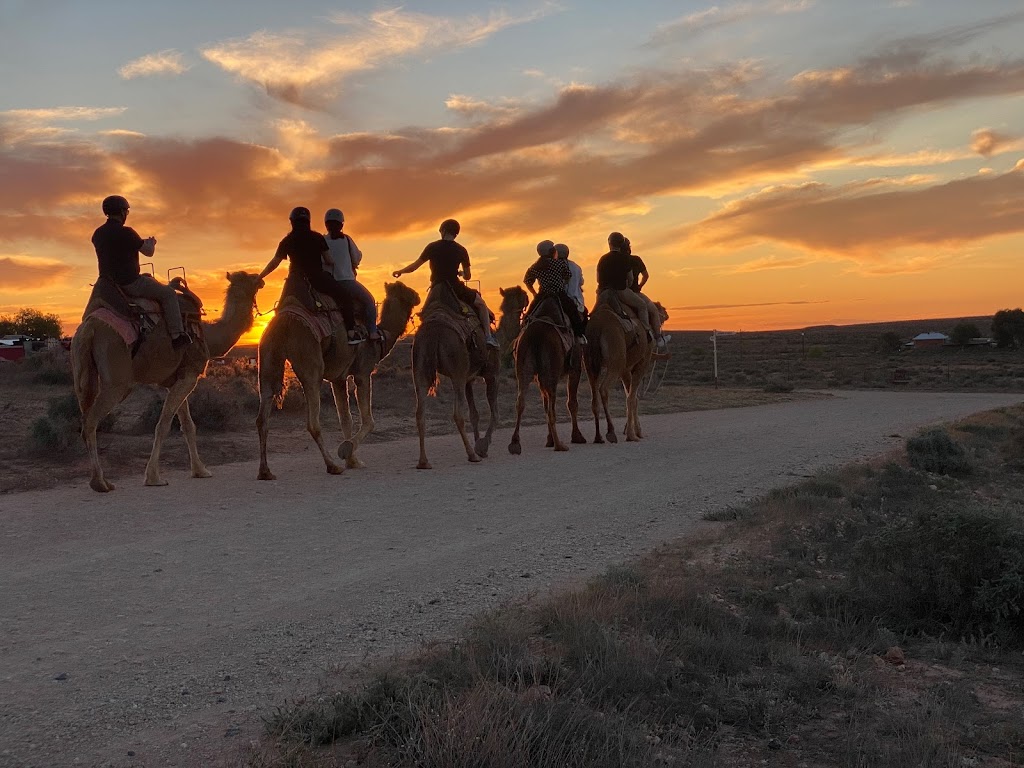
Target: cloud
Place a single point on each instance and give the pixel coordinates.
(27, 273)
(769, 263)
(469, 107)
(169, 62)
(987, 142)
(847, 221)
(594, 152)
(716, 17)
(704, 307)
(304, 67)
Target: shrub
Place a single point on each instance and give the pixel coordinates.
(50, 366)
(777, 385)
(213, 405)
(52, 437)
(935, 451)
(958, 570)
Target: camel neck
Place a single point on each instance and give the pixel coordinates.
(235, 320)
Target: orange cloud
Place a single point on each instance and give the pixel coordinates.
(292, 66)
(845, 221)
(169, 62)
(27, 273)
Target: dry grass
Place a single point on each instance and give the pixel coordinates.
(870, 616)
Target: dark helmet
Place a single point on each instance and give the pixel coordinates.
(299, 212)
(449, 227)
(114, 204)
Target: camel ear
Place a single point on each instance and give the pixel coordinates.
(227, 275)
(502, 292)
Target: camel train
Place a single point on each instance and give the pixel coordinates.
(124, 340)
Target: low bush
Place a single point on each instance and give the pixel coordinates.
(935, 451)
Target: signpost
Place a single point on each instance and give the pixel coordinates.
(714, 347)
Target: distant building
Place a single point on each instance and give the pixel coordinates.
(930, 340)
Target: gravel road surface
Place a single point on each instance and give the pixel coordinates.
(153, 626)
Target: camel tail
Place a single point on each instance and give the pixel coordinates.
(425, 366)
(84, 370)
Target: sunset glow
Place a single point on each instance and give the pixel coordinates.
(777, 164)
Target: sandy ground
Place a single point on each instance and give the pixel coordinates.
(153, 626)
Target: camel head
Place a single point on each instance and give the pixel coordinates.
(245, 282)
(403, 294)
(513, 301)
(662, 312)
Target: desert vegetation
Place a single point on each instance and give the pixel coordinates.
(869, 616)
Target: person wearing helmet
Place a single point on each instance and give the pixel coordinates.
(117, 251)
(575, 286)
(346, 258)
(553, 276)
(445, 257)
(615, 273)
(307, 252)
(640, 278)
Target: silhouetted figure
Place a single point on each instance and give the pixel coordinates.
(446, 257)
(553, 276)
(307, 252)
(614, 273)
(346, 258)
(117, 250)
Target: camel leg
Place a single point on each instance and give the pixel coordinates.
(550, 397)
(343, 392)
(514, 446)
(474, 414)
(421, 422)
(572, 400)
(103, 402)
(188, 429)
(459, 415)
(271, 383)
(310, 381)
(610, 434)
(176, 395)
(595, 406)
(484, 444)
(637, 385)
(364, 397)
(632, 389)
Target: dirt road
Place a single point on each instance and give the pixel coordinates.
(153, 626)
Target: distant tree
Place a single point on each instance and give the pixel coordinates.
(890, 342)
(31, 322)
(963, 333)
(1008, 327)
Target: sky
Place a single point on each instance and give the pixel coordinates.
(777, 164)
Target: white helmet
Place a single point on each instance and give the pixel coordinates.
(334, 214)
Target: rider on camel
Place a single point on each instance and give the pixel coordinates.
(445, 257)
(346, 258)
(308, 252)
(553, 275)
(117, 250)
(615, 273)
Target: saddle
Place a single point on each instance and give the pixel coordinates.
(134, 318)
(626, 316)
(548, 310)
(443, 307)
(318, 311)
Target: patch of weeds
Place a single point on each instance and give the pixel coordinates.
(778, 385)
(726, 513)
(935, 451)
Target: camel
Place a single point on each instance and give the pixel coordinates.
(615, 353)
(441, 348)
(514, 301)
(540, 354)
(288, 337)
(105, 371)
